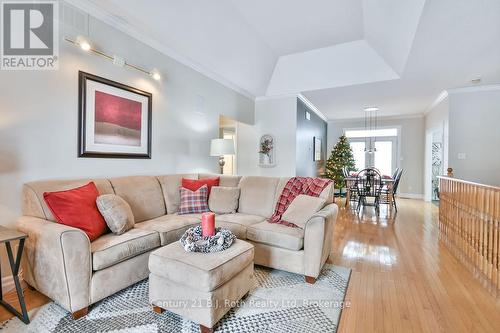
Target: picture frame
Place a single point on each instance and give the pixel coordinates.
(267, 151)
(316, 149)
(114, 119)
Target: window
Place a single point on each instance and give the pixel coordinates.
(358, 150)
(386, 143)
(383, 157)
(369, 133)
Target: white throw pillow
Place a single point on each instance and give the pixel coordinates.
(224, 200)
(116, 212)
(302, 208)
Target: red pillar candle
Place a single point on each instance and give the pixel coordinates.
(208, 224)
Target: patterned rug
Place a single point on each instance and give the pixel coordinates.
(278, 302)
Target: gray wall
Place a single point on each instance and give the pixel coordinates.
(306, 131)
(474, 120)
(39, 116)
(412, 148)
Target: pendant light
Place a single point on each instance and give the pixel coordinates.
(371, 126)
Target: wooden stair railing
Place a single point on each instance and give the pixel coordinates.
(469, 222)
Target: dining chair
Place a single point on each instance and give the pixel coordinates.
(395, 173)
(369, 185)
(345, 172)
(350, 185)
(388, 193)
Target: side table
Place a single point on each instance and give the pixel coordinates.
(7, 236)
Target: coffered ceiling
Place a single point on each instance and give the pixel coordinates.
(342, 55)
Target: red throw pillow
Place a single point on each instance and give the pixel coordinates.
(77, 208)
(194, 202)
(195, 184)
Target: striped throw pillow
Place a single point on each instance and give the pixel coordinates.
(193, 202)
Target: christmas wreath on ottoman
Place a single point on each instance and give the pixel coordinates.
(193, 240)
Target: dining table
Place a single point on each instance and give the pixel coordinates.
(386, 181)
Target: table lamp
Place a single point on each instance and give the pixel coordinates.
(221, 147)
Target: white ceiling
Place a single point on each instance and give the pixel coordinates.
(293, 26)
(342, 55)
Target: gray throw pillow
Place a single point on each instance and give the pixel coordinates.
(301, 209)
(116, 212)
(223, 200)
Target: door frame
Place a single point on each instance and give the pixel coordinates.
(396, 139)
(429, 139)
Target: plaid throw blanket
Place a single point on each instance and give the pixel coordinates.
(294, 187)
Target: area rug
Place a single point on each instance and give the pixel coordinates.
(278, 302)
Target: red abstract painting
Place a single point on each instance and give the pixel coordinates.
(117, 120)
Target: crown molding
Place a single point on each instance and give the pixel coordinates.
(125, 27)
(395, 117)
(441, 97)
(489, 87)
(313, 107)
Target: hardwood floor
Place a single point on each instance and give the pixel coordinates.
(32, 298)
(403, 278)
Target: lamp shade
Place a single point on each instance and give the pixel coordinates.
(219, 147)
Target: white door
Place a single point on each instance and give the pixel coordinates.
(384, 158)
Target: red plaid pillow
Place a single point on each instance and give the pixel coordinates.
(193, 202)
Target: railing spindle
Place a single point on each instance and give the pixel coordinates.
(469, 222)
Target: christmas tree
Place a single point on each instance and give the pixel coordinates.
(341, 157)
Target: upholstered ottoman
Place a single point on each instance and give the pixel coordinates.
(201, 287)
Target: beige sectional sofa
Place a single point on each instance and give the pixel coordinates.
(63, 264)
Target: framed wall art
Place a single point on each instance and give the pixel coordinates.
(114, 119)
(317, 149)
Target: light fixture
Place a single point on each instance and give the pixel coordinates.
(118, 61)
(221, 147)
(155, 75)
(85, 46)
(476, 80)
(370, 127)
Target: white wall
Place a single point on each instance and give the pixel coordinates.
(247, 147)
(474, 131)
(39, 117)
(412, 148)
(278, 117)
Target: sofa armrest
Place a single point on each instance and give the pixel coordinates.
(318, 239)
(57, 261)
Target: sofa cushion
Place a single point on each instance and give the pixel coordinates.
(170, 227)
(276, 235)
(301, 209)
(170, 187)
(239, 218)
(240, 231)
(224, 200)
(111, 249)
(195, 184)
(201, 271)
(116, 212)
(77, 208)
(224, 180)
(279, 189)
(143, 194)
(193, 202)
(257, 195)
(34, 204)
(328, 193)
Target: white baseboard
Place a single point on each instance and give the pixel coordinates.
(417, 196)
